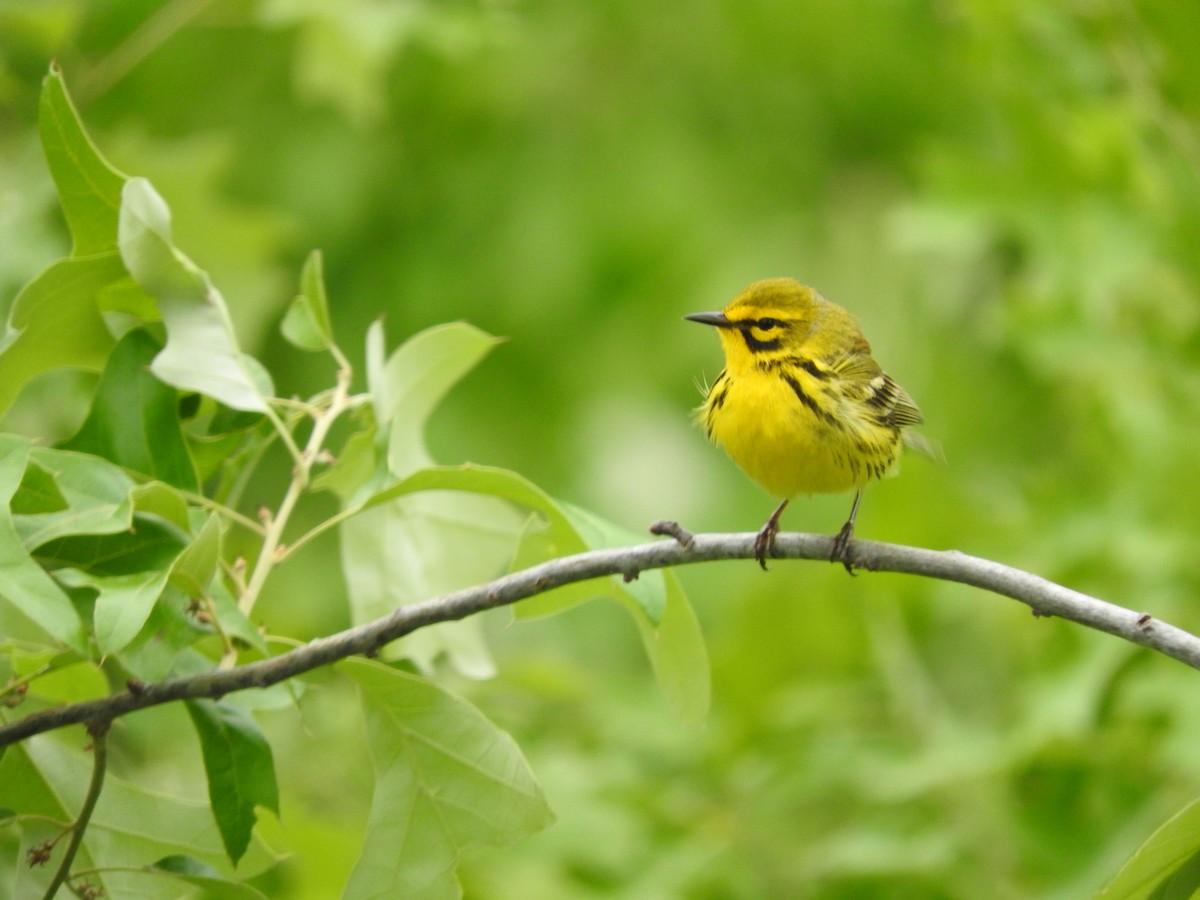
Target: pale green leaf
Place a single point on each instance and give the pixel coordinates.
(445, 779)
(240, 768)
(413, 381)
(355, 466)
(55, 322)
(655, 599)
(412, 548)
(192, 572)
(131, 827)
(123, 603)
(307, 324)
(1160, 867)
(678, 652)
(96, 493)
(24, 585)
(418, 547)
(157, 499)
(201, 352)
(70, 682)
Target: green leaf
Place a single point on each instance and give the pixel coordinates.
(192, 871)
(24, 585)
(356, 464)
(307, 324)
(192, 572)
(90, 188)
(409, 386)
(55, 322)
(412, 548)
(163, 648)
(678, 652)
(493, 482)
(130, 828)
(134, 419)
(157, 499)
(201, 352)
(241, 772)
(665, 618)
(123, 603)
(418, 547)
(445, 779)
(96, 493)
(147, 544)
(1165, 866)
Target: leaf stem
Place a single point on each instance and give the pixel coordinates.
(272, 549)
(222, 510)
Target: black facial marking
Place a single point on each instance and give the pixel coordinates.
(757, 346)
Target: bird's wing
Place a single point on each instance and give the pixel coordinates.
(870, 385)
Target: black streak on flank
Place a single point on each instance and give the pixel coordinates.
(807, 400)
(719, 395)
(812, 368)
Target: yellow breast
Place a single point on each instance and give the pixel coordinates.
(794, 435)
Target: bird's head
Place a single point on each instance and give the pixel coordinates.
(770, 318)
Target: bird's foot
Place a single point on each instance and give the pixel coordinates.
(840, 551)
(764, 543)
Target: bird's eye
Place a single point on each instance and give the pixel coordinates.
(766, 324)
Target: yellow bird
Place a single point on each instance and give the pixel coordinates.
(801, 406)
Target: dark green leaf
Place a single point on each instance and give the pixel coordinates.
(198, 873)
(151, 543)
(134, 419)
(241, 771)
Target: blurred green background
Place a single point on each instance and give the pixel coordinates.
(1007, 194)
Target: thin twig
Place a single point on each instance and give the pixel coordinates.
(99, 734)
(1044, 597)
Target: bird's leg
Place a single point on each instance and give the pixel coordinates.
(765, 542)
(841, 543)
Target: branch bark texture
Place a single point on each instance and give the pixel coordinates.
(1044, 597)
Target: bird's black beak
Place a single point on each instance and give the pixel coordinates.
(710, 318)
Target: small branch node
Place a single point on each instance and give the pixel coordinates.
(1145, 622)
(671, 528)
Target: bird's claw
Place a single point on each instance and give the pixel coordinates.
(764, 543)
(840, 550)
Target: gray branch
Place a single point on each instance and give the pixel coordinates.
(1044, 597)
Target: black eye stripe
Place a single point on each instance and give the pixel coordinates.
(766, 323)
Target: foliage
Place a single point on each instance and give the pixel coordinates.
(1004, 193)
(117, 567)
